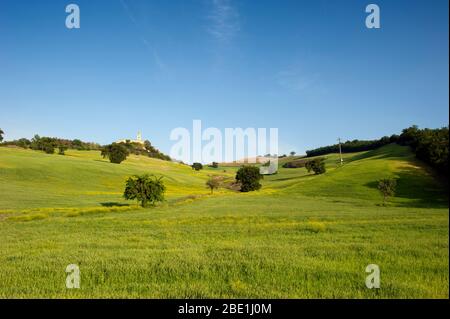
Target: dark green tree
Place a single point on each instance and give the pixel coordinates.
(62, 149)
(22, 142)
(116, 153)
(197, 166)
(387, 188)
(146, 189)
(316, 165)
(77, 144)
(48, 148)
(36, 143)
(249, 177)
(1, 135)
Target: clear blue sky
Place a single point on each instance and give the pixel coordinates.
(310, 68)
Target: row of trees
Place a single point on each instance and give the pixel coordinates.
(429, 145)
(353, 146)
(50, 144)
(116, 153)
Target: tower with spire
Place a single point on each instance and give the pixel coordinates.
(138, 139)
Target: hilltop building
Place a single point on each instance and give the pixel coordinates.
(138, 140)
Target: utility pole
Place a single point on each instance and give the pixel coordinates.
(340, 151)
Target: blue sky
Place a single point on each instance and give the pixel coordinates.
(310, 68)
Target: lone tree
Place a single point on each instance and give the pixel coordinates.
(197, 166)
(1, 135)
(387, 188)
(214, 182)
(316, 165)
(146, 189)
(292, 153)
(62, 149)
(116, 153)
(249, 177)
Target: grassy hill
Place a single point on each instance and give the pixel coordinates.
(31, 179)
(300, 236)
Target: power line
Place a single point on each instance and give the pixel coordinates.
(340, 151)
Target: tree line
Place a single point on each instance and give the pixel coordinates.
(117, 151)
(353, 146)
(49, 144)
(429, 145)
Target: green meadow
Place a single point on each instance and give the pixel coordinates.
(300, 236)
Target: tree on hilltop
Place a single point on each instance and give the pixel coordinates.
(116, 153)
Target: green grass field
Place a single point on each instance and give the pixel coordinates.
(300, 236)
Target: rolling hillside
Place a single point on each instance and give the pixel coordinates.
(31, 179)
(300, 236)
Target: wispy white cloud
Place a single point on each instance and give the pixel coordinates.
(127, 10)
(224, 21)
(151, 48)
(295, 80)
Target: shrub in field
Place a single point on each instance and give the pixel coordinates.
(214, 182)
(62, 149)
(249, 177)
(116, 153)
(197, 166)
(316, 165)
(387, 188)
(146, 189)
(214, 165)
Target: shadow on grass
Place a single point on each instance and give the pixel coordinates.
(390, 151)
(102, 161)
(114, 204)
(419, 188)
